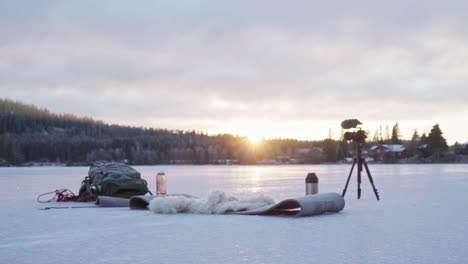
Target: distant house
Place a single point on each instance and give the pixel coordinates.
(309, 155)
(423, 146)
(388, 152)
(283, 159)
(462, 150)
(4, 163)
(302, 151)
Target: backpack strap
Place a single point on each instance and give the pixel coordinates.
(146, 183)
(88, 189)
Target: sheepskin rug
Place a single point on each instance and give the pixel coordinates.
(217, 202)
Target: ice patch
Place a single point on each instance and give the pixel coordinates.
(216, 203)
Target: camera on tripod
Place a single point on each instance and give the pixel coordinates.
(358, 136)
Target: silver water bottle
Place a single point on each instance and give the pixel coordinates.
(161, 184)
(311, 183)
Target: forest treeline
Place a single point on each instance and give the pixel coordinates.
(32, 134)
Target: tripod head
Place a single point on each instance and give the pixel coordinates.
(356, 134)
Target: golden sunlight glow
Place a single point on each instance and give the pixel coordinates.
(258, 130)
(255, 139)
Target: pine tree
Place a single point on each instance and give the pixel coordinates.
(436, 143)
(342, 131)
(395, 134)
(330, 150)
(422, 146)
(415, 136)
(413, 145)
(387, 134)
(423, 139)
(375, 138)
(380, 134)
(330, 133)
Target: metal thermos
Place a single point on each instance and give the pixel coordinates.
(161, 184)
(311, 183)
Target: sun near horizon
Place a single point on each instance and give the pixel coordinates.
(255, 139)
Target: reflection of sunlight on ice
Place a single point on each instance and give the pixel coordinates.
(255, 175)
(250, 179)
(254, 189)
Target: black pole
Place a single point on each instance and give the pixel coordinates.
(359, 158)
(371, 181)
(349, 177)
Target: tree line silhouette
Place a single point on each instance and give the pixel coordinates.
(32, 134)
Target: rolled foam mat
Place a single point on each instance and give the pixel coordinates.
(135, 202)
(303, 206)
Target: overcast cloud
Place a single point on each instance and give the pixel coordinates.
(215, 65)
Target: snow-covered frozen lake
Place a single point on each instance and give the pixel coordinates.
(422, 217)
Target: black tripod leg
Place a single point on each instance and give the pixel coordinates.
(349, 177)
(371, 180)
(359, 170)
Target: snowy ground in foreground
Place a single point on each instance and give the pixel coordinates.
(422, 218)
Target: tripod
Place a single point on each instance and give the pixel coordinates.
(360, 161)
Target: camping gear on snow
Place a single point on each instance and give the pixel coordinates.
(113, 179)
(311, 183)
(119, 185)
(309, 205)
(303, 206)
(161, 183)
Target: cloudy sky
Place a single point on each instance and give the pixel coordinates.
(257, 68)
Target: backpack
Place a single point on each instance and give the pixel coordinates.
(112, 179)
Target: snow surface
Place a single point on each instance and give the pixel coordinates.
(422, 218)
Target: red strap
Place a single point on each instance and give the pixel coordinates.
(62, 195)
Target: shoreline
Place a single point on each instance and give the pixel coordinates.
(247, 165)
